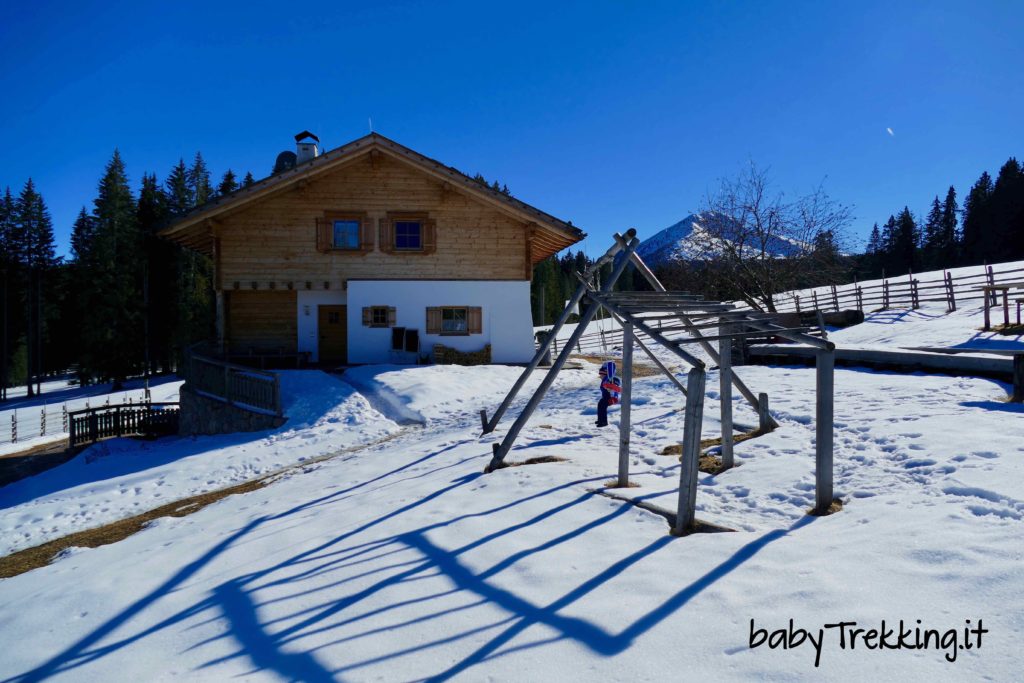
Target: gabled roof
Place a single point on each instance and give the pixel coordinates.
(193, 230)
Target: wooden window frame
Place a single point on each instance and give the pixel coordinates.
(435, 320)
(325, 232)
(428, 232)
(389, 314)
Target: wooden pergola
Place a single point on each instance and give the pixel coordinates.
(645, 313)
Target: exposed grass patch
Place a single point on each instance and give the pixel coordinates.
(614, 484)
(639, 369)
(1009, 330)
(41, 555)
(677, 449)
(539, 460)
(836, 506)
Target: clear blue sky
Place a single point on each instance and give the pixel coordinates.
(608, 114)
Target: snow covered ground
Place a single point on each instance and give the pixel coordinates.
(27, 412)
(124, 477)
(401, 561)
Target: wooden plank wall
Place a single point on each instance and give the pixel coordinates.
(261, 320)
(275, 239)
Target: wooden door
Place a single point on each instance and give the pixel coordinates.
(332, 326)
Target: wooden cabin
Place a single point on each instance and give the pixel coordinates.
(371, 253)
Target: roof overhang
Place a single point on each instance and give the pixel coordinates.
(196, 229)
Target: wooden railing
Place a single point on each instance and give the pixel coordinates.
(108, 422)
(905, 291)
(239, 385)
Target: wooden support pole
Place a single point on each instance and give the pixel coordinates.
(1006, 308)
(885, 295)
(652, 279)
(501, 450)
(725, 390)
(988, 320)
(627, 397)
(835, 298)
(686, 508)
(824, 430)
(765, 423)
(1018, 378)
(652, 356)
(489, 425)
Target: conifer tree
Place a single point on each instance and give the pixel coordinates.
(905, 242)
(228, 183)
(948, 242)
(199, 181)
(248, 180)
(1007, 203)
(932, 242)
(8, 276)
(160, 275)
(874, 247)
(115, 337)
(977, 221)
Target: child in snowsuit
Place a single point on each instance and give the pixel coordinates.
(611, 389)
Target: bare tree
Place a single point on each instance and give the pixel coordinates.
(752, 242)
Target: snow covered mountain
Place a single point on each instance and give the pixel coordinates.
(687, 240)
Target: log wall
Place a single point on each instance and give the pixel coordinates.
(274, 239)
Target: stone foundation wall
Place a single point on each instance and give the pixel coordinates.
(203, 415)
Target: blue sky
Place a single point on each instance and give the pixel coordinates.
(612, 115)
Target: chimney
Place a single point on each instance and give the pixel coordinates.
(307, 146)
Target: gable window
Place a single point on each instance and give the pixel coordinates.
(379, 316)
(408, 233)
(338, 231)
(346, 234)
(454, 320)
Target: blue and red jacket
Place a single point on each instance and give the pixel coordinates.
(611, 386)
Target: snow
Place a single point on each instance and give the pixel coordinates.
(59, 395)
(123, 477)
(399, 560)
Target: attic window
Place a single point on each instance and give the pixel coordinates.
(408, 232)
(344, 232)
(408, 235)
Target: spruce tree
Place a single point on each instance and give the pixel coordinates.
(874, 242)
(8, 275)
(228, 183)
(116, 335)
(1007, 204)
(905, 242)
(932, 242)
(37, 255)
(248, 180)
(948, 242)
(199, 181)
(160, 275)
(977, 221)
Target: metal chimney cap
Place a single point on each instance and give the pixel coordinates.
(306, 134)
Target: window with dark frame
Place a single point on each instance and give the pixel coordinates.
(378, 316)
(408, 235)
(454, 321)
(346, 234)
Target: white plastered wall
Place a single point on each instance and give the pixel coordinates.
(507, 321)
(306, 312)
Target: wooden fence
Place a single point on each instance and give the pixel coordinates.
(234, 384)
(891, 293)
(906, 291)
(108, 422)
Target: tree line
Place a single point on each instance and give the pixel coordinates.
(989, 228)
(124, 302)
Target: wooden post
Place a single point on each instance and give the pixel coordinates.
(1018, 378)
(627, 396)
(885, 295)
(764, 418)
(824, 430)
(725, 389)
(797, 303)
(1006, 308)
(835, 298)
(502, 449)
(914, 301)
(686, 508)
(988, 321)
(821, 325)
(860, 299)
(814, 297)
